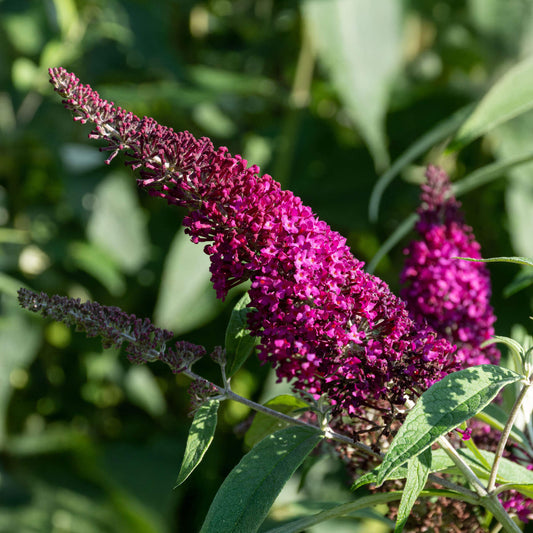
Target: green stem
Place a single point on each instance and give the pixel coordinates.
(227, 393)
(463, 467)
(505, 436)
(487, 500)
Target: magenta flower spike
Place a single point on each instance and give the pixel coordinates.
(322, 321)
(452, 295)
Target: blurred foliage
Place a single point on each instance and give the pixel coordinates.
(310, 90)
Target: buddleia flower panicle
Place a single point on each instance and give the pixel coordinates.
(322, 321)
(143, 342)
(452, 295)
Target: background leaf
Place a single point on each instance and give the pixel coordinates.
(419, 147)
(508, 471)
(511, 140)
(359, 43)
(509, 97)
(117, 224)
(186, 298)
(20, 336)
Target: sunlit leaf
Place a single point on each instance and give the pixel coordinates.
(199, 439)
(516, 260)
(509, 97)
(245, 497)
(508, 471)
(445, 405)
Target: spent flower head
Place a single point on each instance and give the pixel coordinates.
(142, 341)
(322, 321)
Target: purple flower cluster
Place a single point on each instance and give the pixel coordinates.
(322, 321)
(142, 340)
(452, 295)
(519, 504)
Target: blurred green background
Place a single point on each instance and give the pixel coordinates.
(323, 95)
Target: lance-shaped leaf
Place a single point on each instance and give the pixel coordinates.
(509, 97)
(239, 342)
(243, 500)
(526, 261)
(200, 437)
(417, 475)
(445, 405)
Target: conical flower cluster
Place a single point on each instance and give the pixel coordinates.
(322, 321)
(452, 295)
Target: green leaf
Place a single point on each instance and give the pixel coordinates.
(440, 462)
(509, 97)
(142, 390)
(516, 260)
(420, 146)
(186, 298)
(365, 502)
(372, 477)
(508, 471)
(20, 338)
(292, 512)
(245, 497)
(239, 343)
(445, 405)
(337, 511)
(512, 344)
(359, 43)
(264, 425)
(117, 223)
(200, 437)
(512, 140)
(488, 173)
(417, 476)
(98, 263)
(522, 281)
